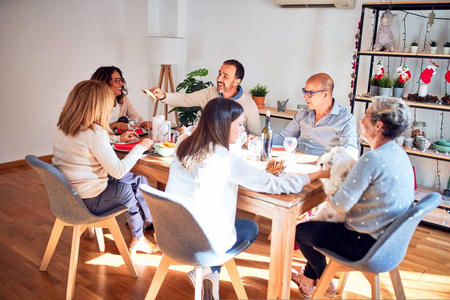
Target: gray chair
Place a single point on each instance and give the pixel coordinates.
(69, 210)
(384, 256)
(182, 241)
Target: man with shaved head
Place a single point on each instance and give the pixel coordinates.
(324, 124)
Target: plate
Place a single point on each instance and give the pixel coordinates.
(139, 131)
(443, 142)
(301, 168)
(440, 148)
(125, 147)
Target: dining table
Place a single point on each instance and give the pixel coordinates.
(282, 209)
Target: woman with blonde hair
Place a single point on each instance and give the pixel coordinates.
(82, 152)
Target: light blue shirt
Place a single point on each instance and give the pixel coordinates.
(337, 128)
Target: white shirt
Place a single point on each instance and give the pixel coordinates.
(210, 190)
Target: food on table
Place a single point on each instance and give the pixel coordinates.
(166, 145)
(275, 166)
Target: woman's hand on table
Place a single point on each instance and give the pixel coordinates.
(147, 125)
(146, 143)
(128, 136)
(319, 174)
(119, 125)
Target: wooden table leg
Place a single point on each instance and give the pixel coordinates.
(281, 252)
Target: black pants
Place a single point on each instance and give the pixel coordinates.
(332, 236)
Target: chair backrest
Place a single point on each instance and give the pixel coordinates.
(178, 234)
(65, 202)
(390, 248)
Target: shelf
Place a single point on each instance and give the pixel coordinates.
(438, 217)
(437, 5)
(274, 113)
(423, 105)
(430, 153)
(404, 54)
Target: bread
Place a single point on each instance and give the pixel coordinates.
(150, 94)
(275, 166)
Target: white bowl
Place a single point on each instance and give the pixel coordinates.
(163, 151)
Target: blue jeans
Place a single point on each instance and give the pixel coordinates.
(245, 230)
(124, 191)
(332, 236)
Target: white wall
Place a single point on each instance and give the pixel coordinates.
(49, 45)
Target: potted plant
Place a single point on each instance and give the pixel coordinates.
(414, 47)
(386, 84)
(433, 47)
(447, 48)
(374, 86)
(399, 88)
(258, 94)
(193, 82)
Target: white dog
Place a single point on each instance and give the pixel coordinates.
(339, 162)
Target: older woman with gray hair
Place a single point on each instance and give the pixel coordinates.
(378, 189)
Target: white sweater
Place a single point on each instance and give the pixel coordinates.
(210, 190)
(86, 160)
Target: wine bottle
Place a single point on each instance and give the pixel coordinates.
(266, 137)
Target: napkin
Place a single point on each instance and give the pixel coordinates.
(125, 146)
(278, 148)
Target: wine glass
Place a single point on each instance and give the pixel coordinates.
(254, 148)
(290, 143)
(164, 131)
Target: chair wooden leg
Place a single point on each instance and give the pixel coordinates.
(52, 242)
(89, 233)
(100, 238)
(325, 280)
(397, 283)
(374, 280)
(343, 276)
(113, 227)
(77, 232)
(158, 278)
(236, 279)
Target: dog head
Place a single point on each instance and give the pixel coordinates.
(338, 161)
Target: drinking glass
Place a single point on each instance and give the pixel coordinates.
(254, 148)
(242, 138)
(164, 131)
(290, 143)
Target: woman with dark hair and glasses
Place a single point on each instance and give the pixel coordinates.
(123, 110)
(207, 176)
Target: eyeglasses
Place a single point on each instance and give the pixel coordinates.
(309, 94)
(118, 80)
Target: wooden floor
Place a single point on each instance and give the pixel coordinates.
(26, 222)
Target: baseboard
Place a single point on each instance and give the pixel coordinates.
(22, 162)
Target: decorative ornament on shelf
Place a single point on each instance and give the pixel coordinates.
(403, 73)
(431, 17)
(379, 70)
(355, 62)
(429, 72)
(447, 76)
(385, 38)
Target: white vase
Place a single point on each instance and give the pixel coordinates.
(414, 49)
(446, 50)
(433, 50)
(423, 90)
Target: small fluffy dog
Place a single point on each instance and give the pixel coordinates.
(339, 162)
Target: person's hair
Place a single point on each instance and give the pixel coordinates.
(104, 74)
(325, 81)
(394, 113)
(90, 102)
(213, 129)
(239, 68)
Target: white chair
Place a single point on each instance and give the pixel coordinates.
(70, 210)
